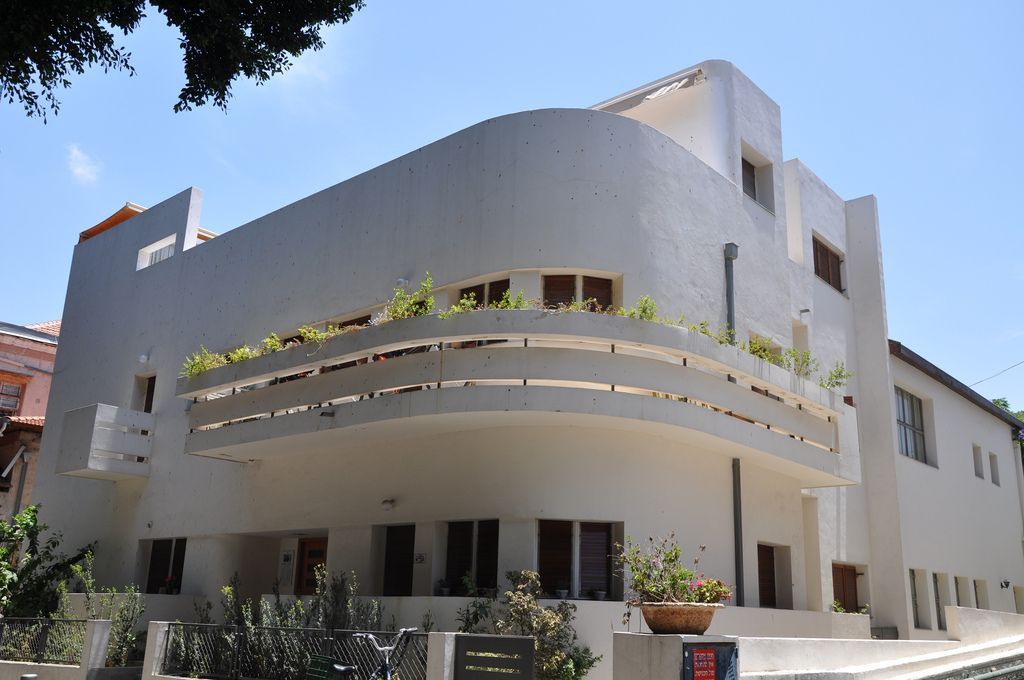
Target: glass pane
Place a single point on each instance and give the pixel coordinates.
(13, 390)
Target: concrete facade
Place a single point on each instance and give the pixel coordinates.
(564, 416)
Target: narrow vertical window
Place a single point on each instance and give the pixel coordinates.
(554, 555)
(940, 614)
(993, 467)
(828, 265)
(910, 426)
(979, 465)
(749, 179)
(913, 599)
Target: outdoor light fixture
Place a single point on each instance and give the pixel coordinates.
(1005, 584)
(804, 311)
(387, 504)
(401, 283)
(143, 358)
(326, 414)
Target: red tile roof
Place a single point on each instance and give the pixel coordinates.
(50, 327)
(32, 422)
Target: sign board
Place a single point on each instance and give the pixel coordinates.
(704, 664)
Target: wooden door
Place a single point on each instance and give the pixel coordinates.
(844, 586)
(312, 553)
(766, 575)
(399, 548)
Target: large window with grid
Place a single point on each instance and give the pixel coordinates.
(10, 398)
(910, 425)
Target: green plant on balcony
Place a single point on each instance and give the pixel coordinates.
(243, 353)
(836, 377)
(588, 305)
(645, 309)
(467, 303)
(201, 361)
(517, 302)
(799, 362)
(404, 304)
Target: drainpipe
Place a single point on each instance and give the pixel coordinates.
(737, 529)
(732, 251)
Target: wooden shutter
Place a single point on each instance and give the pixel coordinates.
(766, 575)
(595, 557)
(399, 545)
(459, 560)
(487, 553)
(476, 291)
(559, 289)
(844, 586)
(497, 289)
(827, 264)
(599, 289)
(554, 555)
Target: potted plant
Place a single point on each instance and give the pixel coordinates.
(562, 590)
(443, 589)
(672, 598)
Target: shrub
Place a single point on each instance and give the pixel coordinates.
(799, 362)
(243, 353)
(403, 305)
(466, 304)
(588, 305)
(509, 302)
(123, 638)
(200, 362)
(271, 344)
(645, 309)
(836, 377)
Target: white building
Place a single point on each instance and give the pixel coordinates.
(559, 433)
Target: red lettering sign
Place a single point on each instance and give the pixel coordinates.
(703, 664)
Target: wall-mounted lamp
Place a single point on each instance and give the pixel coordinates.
(804, 311)
(1005, 584)
(387, 505)
(401, 283)
(326, 414)
(143, 358)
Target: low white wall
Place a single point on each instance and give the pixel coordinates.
(758, 654)
(973, 626)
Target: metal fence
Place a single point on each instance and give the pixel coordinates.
(196, 650)
(59, 641)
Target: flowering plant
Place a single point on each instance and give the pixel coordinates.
(658, 575)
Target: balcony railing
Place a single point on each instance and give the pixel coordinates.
(106, 442)
(508, 361)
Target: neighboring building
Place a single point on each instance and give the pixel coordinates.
(27, 354)
(525, 439)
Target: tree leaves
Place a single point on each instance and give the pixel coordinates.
(42, 44)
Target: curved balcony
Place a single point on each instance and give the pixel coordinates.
(527, 367)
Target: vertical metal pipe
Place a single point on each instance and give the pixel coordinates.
(737, 529)
(732, 251)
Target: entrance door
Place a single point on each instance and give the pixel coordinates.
(844, 586)
(399, 545)
(766, 575)
(312, 553)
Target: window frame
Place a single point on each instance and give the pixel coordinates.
(615, 530)
(5, 395)
(907, 431)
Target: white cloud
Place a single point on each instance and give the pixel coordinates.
(84, 169)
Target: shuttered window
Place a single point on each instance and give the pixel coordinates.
(599, 289)
(497, 289)
(466, 540)
(559, 290)
(910, 426)
(595, 558)
(828, 265)
(554, 555)
(844, 586)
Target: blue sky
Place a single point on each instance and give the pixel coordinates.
(918, 103)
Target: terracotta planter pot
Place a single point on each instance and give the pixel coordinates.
(680, 618)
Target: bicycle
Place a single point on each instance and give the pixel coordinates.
(386, 667)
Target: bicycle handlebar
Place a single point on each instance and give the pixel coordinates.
(377, 642)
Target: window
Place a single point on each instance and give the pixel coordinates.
(166, 564)
(749, 179)
(600, 290)
(844, 586)
(576, 557)
(940, 585)
(1018, 599)
(559, 290)
(910, 425)
(766, 576)
(10, 399)
(399, 548)
(562, 289)
(979, 464)
(156, 252)
(980, 594)
(913, 598)
(473, 550)
(828, 265)
(487, 293)
(993, 466)
(963, 594)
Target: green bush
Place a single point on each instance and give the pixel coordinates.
(836, 377)
(200, 362)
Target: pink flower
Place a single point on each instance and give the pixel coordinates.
(700, 583)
